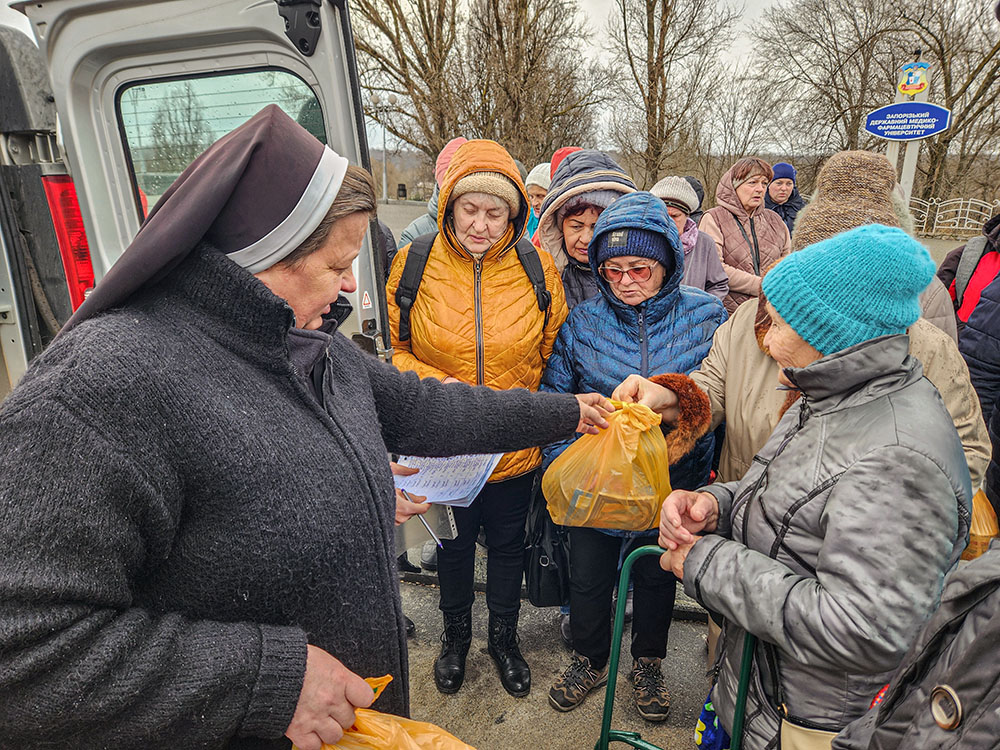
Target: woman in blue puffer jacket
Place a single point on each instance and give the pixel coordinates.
(642, 321)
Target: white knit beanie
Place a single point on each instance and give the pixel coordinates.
(676, 192)
(539, 176)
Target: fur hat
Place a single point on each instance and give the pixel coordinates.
(677, 193)
(540, 176)
(444, 158)
(491, 183)
(783, 171)
(855, 286)
(853, 188)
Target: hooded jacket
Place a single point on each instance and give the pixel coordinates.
(841, 533)
(423, 224)
(722, 223)
(741, 381)
(605, 340)
(478, 320)
(787, 210)
(578, 173)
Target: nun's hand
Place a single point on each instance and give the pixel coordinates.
(330, 693)
(593, 408)
(407, 505)
(406, 509)
(636, 389)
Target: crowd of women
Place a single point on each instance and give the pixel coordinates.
(196, 498)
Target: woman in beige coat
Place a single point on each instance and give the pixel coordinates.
(853, 188)
(749, 237)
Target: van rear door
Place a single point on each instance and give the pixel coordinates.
(142, 87)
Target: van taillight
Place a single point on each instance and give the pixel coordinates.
(72, 238)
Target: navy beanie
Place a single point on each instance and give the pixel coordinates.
(643, 243)
(783, 171)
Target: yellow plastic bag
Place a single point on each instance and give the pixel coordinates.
(373, 729)
(983, 527)
(613, 480)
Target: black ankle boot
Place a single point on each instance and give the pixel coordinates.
(449, 667)
(514, 673)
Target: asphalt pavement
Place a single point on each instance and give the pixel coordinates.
(486, 717)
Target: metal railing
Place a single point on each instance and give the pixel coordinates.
(954, 217)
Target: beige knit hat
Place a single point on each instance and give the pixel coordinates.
(853, 188)
(676, 192)
(491, 183)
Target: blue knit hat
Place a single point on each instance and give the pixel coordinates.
(642, 243)
(636, 224)
(783, 171)
(855, 286)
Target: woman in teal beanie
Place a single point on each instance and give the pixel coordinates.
(833, 547)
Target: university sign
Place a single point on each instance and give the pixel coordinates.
(908, 121)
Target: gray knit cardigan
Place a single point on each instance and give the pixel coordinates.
(179, 517)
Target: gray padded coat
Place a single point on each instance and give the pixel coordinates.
(834, 546)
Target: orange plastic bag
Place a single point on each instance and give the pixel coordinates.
(983, 527)
(616, 479)
(373, 729)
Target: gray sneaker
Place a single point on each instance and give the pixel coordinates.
(429, 556)
(573, 685)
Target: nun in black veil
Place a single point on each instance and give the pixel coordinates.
(196, 507)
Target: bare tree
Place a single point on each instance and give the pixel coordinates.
(523, 81)
(409, 48)
(741, 122)
(665, 52)
(179, 132)
(837, 65)
(961, 41)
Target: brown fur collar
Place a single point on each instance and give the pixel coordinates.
(695, 414)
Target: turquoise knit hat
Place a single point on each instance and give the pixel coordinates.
(852, 287)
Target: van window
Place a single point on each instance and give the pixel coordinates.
(167, 123)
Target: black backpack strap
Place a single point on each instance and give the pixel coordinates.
(409, 280)
(532, 264)
(971, 255)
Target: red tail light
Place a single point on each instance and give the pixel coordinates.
(72, 238)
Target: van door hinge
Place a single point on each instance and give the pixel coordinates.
(18, 149)
(302, 23)
(7, 315)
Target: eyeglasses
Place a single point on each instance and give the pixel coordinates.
(613, 274)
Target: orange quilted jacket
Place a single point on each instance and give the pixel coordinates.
(478, 320)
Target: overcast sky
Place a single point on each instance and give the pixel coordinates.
(598, 12)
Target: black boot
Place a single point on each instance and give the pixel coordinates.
(449, 667)
(514, 673)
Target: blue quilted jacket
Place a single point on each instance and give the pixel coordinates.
(604, 340)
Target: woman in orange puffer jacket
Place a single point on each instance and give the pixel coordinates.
(476, 320)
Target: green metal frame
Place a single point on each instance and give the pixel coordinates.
(609, 735)
(634, 739)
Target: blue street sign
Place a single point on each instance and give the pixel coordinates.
(908, 121)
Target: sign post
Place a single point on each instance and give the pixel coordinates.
(908, 119)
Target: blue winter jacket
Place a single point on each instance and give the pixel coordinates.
(604, 340)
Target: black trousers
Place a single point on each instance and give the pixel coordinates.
(501, 509)
(594, 559)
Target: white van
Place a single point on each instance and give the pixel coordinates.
(110, 101)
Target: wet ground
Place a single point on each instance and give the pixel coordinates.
(485, 716)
